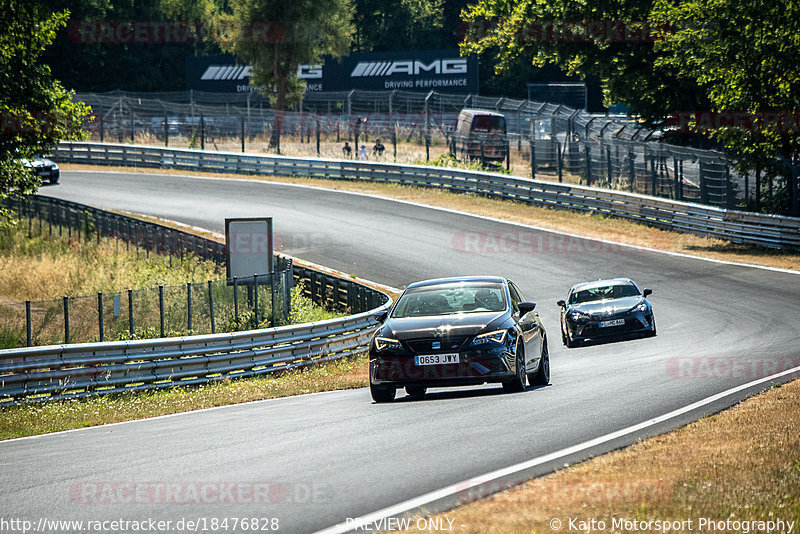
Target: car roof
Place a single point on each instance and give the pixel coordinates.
(605, 282)
(457, 279)
(481, 112)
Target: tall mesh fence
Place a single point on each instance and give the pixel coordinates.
(164, 311)
(543, 140)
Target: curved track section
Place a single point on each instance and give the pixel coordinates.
(336, 455)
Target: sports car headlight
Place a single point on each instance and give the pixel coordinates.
(578, 316)
(498, 336)
(55, 166)
(641, 307)
(383, 343)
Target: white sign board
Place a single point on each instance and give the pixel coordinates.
(249, 247)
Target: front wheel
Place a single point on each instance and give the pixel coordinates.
(542, 375)
(568, 341)
(382, 393)
(653, 331)
(517, 383)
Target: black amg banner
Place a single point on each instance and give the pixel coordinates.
(441, 70)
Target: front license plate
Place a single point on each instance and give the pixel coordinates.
(614, 322)
(436, 359)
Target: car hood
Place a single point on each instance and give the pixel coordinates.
(603, 307)
(462, 324)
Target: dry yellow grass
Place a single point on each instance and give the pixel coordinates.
(40, 267)
(588, 225)
(742, 464)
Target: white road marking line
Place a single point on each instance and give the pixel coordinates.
(483, 217)
(465, 485)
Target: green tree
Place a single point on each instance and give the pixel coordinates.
(35, 110)
(401, 25)
(611, 40)
(88, 56)
(745, 55)
(277, 36)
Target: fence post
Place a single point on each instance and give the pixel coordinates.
(794, 183)
(255, 297)
(703, 184)
(242, 124)
(202, 132)
(28, 322)
(161, 309)
(166, 131)
(588, 152)
(394, 143)
(100, 315)
(189, 306)
(508, 156)
(427, 146)
(758, 187)
(533, 160)
(653, 176)
(211, 305)
(318, 133)
(130, 312)
(631, 170)
(729, 201)
(66, 320)
(272, 291)
(236, 299)
(558, 161)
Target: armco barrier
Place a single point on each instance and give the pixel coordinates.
(771, 231)
(84, 369)
(79, 370)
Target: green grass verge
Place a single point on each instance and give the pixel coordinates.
(33, 419)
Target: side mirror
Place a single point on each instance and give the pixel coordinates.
(561, 303)
(526, 307)
(647, 291)
(381, 316)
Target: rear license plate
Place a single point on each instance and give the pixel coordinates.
(436, 359)
(614, 322)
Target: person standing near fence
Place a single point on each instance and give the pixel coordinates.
(347, 152)
(378, 149)
(362, 152)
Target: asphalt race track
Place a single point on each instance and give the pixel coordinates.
(332, 456)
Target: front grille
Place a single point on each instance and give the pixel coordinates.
(446, 344)
(631, 324)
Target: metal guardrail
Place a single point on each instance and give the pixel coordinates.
(80, 370)
(770, 231)
(84, 369)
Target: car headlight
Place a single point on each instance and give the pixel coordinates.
(383, 343)
(641, 307)
(578, 316)
(55, 166)
(498, 336)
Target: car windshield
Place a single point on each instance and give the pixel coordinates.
(604, 292)
(446, 299)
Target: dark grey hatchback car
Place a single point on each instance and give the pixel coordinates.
(458, 331)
